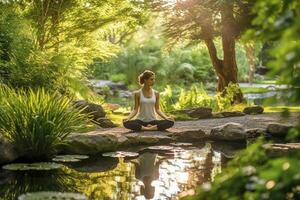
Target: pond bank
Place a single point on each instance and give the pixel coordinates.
(231, 129)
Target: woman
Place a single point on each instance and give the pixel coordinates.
(146, 102)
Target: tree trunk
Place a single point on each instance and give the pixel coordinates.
(226, 69)
(228, 43)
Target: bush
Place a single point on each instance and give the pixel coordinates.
(37, 122)
(254, 175)
(196, 96)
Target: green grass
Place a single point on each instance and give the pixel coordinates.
(282, 108)
(254, 90)
(116, 118)
(265, 81)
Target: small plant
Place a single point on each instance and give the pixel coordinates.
(37, 122)
(225, 101)
(195, 97)
(166, 99)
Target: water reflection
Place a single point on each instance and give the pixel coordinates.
(150, 176)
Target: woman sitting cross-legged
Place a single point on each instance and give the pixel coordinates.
(146, 102)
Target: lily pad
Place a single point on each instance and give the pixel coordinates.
(52, 196)
(120, 154)
(32, 166)
(69, 158)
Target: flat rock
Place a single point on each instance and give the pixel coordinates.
(200, 113)
(148, 137)
(96, 110)
(253, 110)
(227, 114)
(187, 135)
(105, 123)
(228, 132)
(229, 129)
(278, 129)
(90, 143)
(255, 132)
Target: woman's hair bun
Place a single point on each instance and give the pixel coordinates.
(145, 76)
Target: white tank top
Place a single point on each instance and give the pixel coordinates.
(147, 107)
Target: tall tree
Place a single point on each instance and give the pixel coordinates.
(205, 20)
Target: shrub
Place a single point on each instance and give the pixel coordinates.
(36, 122)
(253, 175)
(197, 96)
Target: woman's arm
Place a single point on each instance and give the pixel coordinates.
(136, 107)
(158, 111)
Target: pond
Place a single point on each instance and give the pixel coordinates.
(271, 98)
(154, 174)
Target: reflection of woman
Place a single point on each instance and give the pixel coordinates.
(147, 106)
(147, 170)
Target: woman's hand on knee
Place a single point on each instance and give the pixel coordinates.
(170, 118)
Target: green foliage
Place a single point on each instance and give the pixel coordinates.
(253, 175)
(196, 96)
(146, 50)
(167, 99)
(225, 101)
(277, 23)
(49, 43)
(293, 135)
(36, 121)
(177, 98)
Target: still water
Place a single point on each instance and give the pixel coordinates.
(152, 175)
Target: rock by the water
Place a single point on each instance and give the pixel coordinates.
(255, 132)
(96, 110)
(90, 143)
(150, 137)
(107, 140)
(189, 135)
(229, 132)
(97, 113)
(200, 113)
(105, 123)
(253, 110)
(228, 114)
(278, 130)
(7, 151)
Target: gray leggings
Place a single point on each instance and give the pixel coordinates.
(136, 125)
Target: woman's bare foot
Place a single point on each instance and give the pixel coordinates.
(149, 128)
